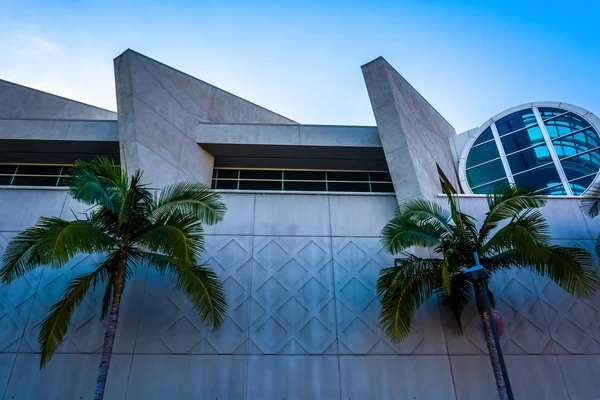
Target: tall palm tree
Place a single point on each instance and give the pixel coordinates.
(131, 228)
(513, 234)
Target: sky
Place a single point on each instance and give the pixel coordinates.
(469, 59)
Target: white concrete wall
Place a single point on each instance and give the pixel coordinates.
(300, 273)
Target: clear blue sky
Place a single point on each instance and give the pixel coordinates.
(470, 59)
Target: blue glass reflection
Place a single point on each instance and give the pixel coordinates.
(515, 121)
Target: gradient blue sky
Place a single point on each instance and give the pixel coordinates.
(470, 59)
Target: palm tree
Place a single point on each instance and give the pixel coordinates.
(512, 234)
(590, 204)
(132, 228)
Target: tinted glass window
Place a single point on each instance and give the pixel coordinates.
(226, 184)
(580, 185)
(260, 185)
(7, 169)
(35, 181)
(490, 188)
(540, 178)
(528, 159)
(382, 187)
(228, 173)
(260, 174)
(304, 175)
(549, 112)
(380, 177)
(482, 153)
(553, 191)
(348, 187)
(347, 176)
(576, 143)
(522, 139)
(306, 186)
(515, 121)
(485, 173)
(584, 164)
(484, 136)
(565, 124)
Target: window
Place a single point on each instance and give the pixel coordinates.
(33, 175)
(302, 180)
(553, 150)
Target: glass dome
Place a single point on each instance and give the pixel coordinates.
(554, 150)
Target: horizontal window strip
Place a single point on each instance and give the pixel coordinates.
(43, 175)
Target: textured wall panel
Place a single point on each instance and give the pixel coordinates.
(293, 377)
(170, 325)
(239, 219)
(357, 262)
(86, 332)
(20, 209)
(375, 212)
(178, 377)
(400, 377)
(291, 215)
(67, 376)
(6, 365)
(581, 376)
(293, 309)
(531, 377)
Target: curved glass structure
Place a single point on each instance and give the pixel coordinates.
(553, 150)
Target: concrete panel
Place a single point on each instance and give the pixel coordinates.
(404, 176)
(293, 306)
(16, 300)
(93, 130)
(525, 327)
(67, 376)
(36, 129)
(157, 171)
(287, 214)
(186, 377)
(86, 332)
(20, 209)
(293, 377)
(369, 214)
(196, 162)
(531, 377)
(402, 377)
(239, 219)
(581, 376)
(169, 325)
(357, 262)
(566, 220)
(18, 101)
(6, 364)
(247, 134)
(360, 136)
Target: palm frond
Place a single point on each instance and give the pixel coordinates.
(525, 234)
(402, 232)
(21, 255)
(191, 198)
(57, 322)
(198, 283)
(180, 237)
(507, 202)
(137, 203)
(422, 211)
(590, 203)
(461, 291)
(59, 240)
(402, 290)
(99, 182)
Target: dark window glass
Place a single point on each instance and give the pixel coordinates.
(62, 181)
(490, 188)
(522, 139)
(305, 186)
(215, 173)
(576, 143)
(260, 185)
(515, 121)
(528, 159)
(304, 175)
(481, 154)
(226, 184)
(549, 112)
(5, 180)
(580, 185)
(484, 136)
(35, 181)
(382, 187)
(228, 173)
(7, 169)
(380, 177)
(40, 169)
(565, 124)
(213, 184)
(348, 176)
(539, 178)
(553, 191)
(260, 174)
(584, 164)
(348, 187)
(485, 173)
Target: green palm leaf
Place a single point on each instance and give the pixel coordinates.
(402, 232)
(191, 198)
(21, 255)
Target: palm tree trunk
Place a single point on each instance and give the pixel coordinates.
(110, 332)
(491, 345)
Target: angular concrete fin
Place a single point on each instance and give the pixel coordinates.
(414, 136)
(22, 102)
(160, 110)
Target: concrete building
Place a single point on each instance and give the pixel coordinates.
(299, 249)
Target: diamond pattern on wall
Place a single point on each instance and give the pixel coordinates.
(170, 325)
(16, 300)
(357, 262)
(86, 332)
(292, 295)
